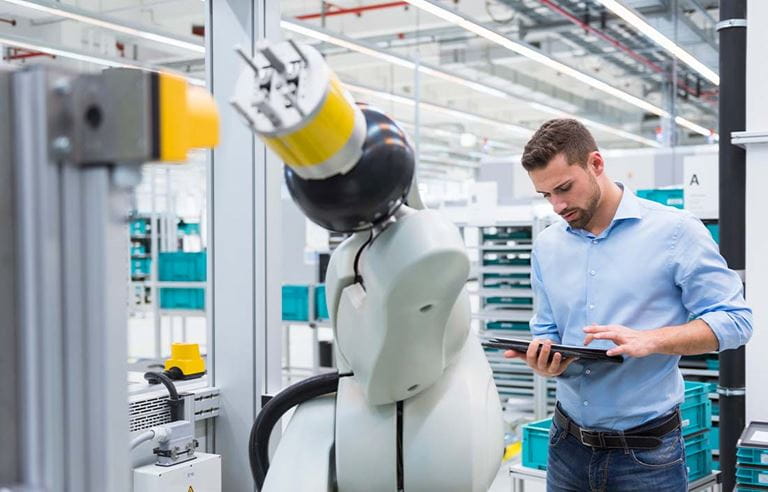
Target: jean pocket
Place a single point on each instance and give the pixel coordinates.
(555, 434)
(671, 451)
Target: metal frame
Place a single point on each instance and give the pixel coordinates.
(70, 207)
(245, 294)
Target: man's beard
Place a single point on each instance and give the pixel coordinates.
(584, 215)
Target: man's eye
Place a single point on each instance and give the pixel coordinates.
(564, 189)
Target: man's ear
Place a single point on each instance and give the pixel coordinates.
(596, 163)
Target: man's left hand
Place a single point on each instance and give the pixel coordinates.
(633, 343)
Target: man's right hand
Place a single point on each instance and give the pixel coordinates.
(540, 363)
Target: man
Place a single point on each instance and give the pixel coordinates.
(640, 279)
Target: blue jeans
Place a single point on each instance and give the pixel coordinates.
(574, 467)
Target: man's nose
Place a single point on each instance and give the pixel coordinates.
(558, 205)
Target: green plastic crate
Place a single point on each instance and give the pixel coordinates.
(699, 464)
(140, 267)
(506, 300)
(182, 267)
(751, 476)
(714, 438)
(501, 233)
(139, 227)
(697, 442)
(496, 259)
(670, 197)
(295, 303)
(321, 306)
(173, 298)
(507, 325)
(536, 444)
(696, 410)
(752, 456)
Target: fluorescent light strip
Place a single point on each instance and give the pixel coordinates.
(352, 45)
(694, 127)
(80, 15)
(16, 42)
(517, 130)
(637, 21)
(533, 54)
(74, 55)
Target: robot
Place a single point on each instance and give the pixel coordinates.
(413, 406)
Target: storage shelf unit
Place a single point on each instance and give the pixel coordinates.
(505, 307)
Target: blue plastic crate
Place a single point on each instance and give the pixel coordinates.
(714, 230)
(140, 266)
(321, 306)
(752, 456)
(751, 476)
(671, 197)
(139, 227)
(173, 298)
(295, 303)
(696, 410)
(699, 464)
(536, 444)
(714, 438)
(188, 228)
(752, 488)
(182, 267)
(138, 249)
(697, 442)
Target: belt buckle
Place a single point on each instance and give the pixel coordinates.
(587, 433)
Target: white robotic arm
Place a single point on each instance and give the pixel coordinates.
(414, 406)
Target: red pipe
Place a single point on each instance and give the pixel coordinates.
(353, 10)
(28, 54)
(613, 41)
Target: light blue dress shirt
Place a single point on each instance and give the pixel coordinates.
(653, 266)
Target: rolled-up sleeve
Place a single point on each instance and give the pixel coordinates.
(710, 290)
(543, 322)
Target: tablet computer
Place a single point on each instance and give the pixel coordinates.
(566, 350)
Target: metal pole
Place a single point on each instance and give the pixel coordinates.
(733, 48)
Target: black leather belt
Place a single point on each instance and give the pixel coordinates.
(641, 437)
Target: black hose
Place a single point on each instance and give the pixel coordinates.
(258, 446)
(176, 403)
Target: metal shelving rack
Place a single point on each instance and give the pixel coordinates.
(506, 305)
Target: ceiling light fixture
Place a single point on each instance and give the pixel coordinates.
(636, 20)
(354, 45)
(81, 15)
(532, 53)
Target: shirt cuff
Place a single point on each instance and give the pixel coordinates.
(723, 327)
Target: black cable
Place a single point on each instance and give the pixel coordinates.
(176, 403)
(358, 277)
(258, 445)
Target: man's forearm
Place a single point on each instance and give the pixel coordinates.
(692, 338)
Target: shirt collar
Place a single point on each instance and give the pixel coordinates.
(629, 208)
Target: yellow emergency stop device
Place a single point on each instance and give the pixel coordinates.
(186, 118)
(186, 357)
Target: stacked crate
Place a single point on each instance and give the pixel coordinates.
(304, 303)
(182, 267)
(752, 459)
(696, 423)
(506, 303)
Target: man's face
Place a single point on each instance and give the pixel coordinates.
(572, 190)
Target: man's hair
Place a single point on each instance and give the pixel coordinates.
(557, 136)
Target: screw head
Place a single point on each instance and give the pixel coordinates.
(62, 87)
(62, 145)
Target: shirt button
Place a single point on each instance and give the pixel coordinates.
(591, 306)
(592, 272)
(588, 372)
(586, 403)
(594, 241)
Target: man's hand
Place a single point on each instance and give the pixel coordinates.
(634, 343)
(540, 363)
